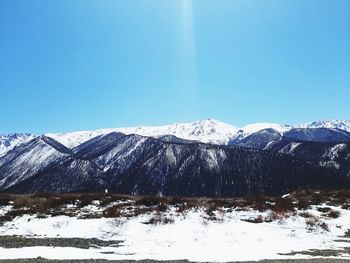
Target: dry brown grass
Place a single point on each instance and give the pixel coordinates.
(333, 214)
(214, 208)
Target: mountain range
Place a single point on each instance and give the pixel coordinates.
(202, 158)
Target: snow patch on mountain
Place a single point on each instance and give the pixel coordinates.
(10, 141)
(331, 124)
(252, 128)
(207, 131)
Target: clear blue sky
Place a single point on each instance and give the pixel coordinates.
(83, 64)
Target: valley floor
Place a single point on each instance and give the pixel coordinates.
(302, 225)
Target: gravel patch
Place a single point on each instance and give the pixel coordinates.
(20, 242)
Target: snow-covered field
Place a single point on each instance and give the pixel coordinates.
(222, 234)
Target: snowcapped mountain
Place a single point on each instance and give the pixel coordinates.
(169, 160)
(331, 124)
(206, 131)
(255, 127)
(138, 165)
(8, 142)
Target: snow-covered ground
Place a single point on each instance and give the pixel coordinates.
(191, 235)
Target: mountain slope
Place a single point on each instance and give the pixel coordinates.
(135, 164)
(327, 154)
(318, 135)
(258, 140)
(10, 141)
(70, 175)
(30, 158)
(203, 170)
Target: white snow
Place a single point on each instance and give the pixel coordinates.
(208, 131)
(252, 128)
(190, 237)
(332, 124)
(10, 141)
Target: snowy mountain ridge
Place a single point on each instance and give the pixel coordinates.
(9, 141)
(331, 124)
(206, 131)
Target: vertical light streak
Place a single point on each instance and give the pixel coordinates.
(189, 51)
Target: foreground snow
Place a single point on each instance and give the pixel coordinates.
(192, 235)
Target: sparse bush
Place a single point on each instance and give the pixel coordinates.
(162, 207)
(306, 215)
(274, 216)
(112, 212)
(314, 222)
(5, 199)
(333, 214)
(346, 206)
(182, 208)
(323, 209)
(324, 226)
(175, 200)
(258, 202)
(311, 222)
(303, 204)
(149, 200)
(159, 219)
(283, 205)
(257, 220)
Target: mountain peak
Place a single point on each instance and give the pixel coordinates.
(331, 124)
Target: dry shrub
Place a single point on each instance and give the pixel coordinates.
(314, 222)
(283, 205)
(324, 226)
(258, 202)
(182, 208)
(87, 199)
(346, 206)
(342, 194)
(149, 200)
(211, 209)
(333, 214)
(159, 219)
(138, 211)
(303, 204)
(5, 199)
(323, 209)
(306, 214)
(161, 207)
(257, 220)
(113, 212)
(31, 203)
(274, 216)
(175, 200)
(311, 222)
